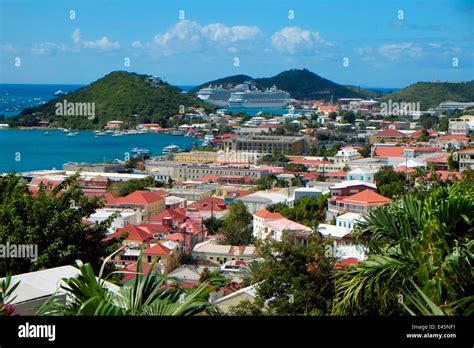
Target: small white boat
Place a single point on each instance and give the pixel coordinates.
(46, 133)
(170, 149)
(72, 134)
(118, 134)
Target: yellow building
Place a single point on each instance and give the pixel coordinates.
(197, 157)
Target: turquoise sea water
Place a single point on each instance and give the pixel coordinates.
(29, 149)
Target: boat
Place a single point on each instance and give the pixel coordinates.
(72, 134)
(46, 133)
(59, 93)
(253, 98)
(217, 95)
(118, 134)
(98, 134)
(170, 149)
(65, 130)
(244, 95)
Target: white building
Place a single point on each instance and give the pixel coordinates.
(125, 217)
(259, 219)
(348, 220)
(362, 174)
(346, 154)
(458, 126)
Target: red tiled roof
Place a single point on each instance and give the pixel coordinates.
(453, 137)
(154, 228)
(158, 249)
(390, 133)
(347, 262)
(445, 175)
(133, 268)
(418, 132)
(210, 203)
(177, 214)
(177, 237)
(265, 214)
(336, 173)
(466, 151)
(367, 197)
(388, 151)
(134, 233)
(137, 197)
(208, 178)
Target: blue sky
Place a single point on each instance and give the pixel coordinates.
(385, 43)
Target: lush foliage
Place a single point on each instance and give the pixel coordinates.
(430, 94)
(6, 293)
(146, 294)
(294, 279)
(420, 250)
(237, 225)
(307, 210)
(118, 95)
(124, 188)
(389, 182)
(54, 222)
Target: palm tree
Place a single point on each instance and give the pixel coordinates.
(414, 243)
(253, 272)
(148, 294)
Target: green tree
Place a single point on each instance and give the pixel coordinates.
(306, 210)
(237, 226)
(54, 222)
(213, 224)
(296, 279)
(413, 242)
(389, 182)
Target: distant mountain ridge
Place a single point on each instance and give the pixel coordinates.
(430, 94)
(300, 83)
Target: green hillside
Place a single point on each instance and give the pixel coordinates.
(430, 94)
(300, 83)
(117, 96)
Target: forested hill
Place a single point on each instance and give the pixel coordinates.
(117, 96)
(430, 94)
(300, 83)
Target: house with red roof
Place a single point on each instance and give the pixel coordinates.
(194, 231)
(170, 217)
(276, 228)
(166, 254)
(444, 175)
(327, 109)
(359, 203)
(387, 136)
(207, 207)
(259, 218)
(337, 175)
(150, 202)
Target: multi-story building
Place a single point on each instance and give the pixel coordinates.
(458, 126)
(387, 136)
(149, 202)
(113, 167)
(267, 144)
(218, 253)
(465, 158)
(187, 171)
(360, 203)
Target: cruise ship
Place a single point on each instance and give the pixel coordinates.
(253, 98)
(219, 95)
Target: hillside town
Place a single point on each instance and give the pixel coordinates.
(317, 170)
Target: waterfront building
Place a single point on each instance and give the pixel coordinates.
(267, 144)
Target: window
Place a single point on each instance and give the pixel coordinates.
(149, 259)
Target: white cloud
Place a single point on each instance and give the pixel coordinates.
(8, 48)
(296, 40)
(48, 48)
(103, 43)
(399, 50)
(189, 36)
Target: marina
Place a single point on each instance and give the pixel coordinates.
(30, 149)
